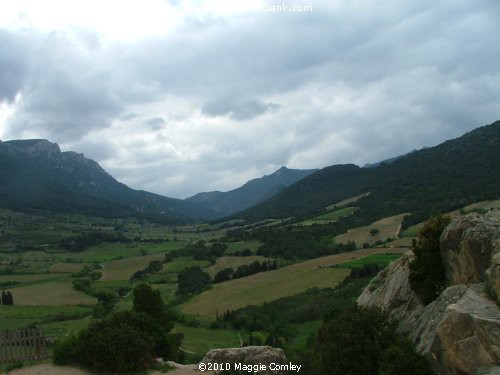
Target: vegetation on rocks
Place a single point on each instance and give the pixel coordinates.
(427, 271)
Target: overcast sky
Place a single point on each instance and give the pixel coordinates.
(178, 97)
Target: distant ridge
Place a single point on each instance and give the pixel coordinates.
(35, 174)
(441, 178)
(251, 193)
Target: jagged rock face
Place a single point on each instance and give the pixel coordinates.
(391, 290)
(248, 355)
(468, 245)
(32, 147)
(459, 332)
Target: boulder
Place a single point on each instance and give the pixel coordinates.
(247, 355)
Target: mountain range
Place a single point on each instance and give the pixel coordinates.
(251, 193)
(35, 174)
(436, 179)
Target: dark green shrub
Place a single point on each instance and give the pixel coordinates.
(223, 275)
(123, 342)
(427, 272)
(363, 341)
(402, 358)
(352, 342)
(192, 281)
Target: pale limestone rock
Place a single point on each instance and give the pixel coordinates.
(470, 248)
(459, 332)
(248, 355)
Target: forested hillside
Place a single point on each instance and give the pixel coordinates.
(35, 174)
(441, 178)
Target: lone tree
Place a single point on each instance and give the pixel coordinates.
(149, 301)
(427, 272)
(7, 298)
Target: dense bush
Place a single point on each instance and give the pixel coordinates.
(193, 281)
(124, 341)
(121, 343)
(299, 243)
(223, 275)
(254, 267)
(427, 272)
(364, 341)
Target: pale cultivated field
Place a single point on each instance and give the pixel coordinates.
(31, 277)
(388, 228)
(123, 269)
(66, 267)
(267, 286)
(347, 201)
(50, 293)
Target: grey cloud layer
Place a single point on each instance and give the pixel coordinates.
(223, 100)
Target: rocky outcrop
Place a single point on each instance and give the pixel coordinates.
(470, 248)
(247, 355)
(459, 332)
(31, 147)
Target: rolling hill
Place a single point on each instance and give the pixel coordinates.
(251, 193)
(35, 174)
(441, 178)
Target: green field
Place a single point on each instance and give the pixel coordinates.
(59, 329)
(178, 264)
(233, 247)
(329, 216)
(200, 340)
(14, 317)
(382, 259)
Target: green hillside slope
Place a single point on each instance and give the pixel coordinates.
(442, 178)
(35, 174)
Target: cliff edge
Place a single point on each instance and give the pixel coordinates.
(459, 332)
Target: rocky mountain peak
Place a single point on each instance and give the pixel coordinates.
(33, 147)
